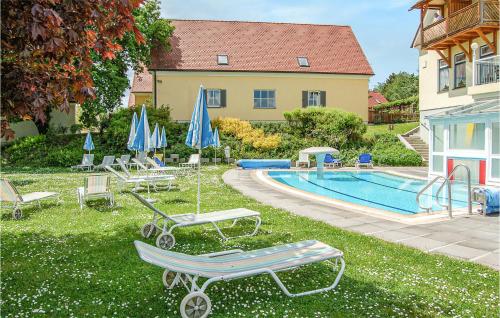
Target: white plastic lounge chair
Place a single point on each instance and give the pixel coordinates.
(157, 168)
(233, 264)
(9, 194)
(106, 161)
(166, 240)
(192, 162)
(124, 158)
(87, 162)
(148, 175)
(141, 156)
(123, 180)
(303, 160)
(96, 186)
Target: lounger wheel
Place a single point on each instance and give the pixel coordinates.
(148, 230)
(169, 279)
(196, 305)
(17, 214)
(165, 241)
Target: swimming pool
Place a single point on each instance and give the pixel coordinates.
(372, 189)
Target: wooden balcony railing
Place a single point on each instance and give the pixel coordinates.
(479, 13)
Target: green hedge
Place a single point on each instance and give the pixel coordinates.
(410, 101)
(305, 128)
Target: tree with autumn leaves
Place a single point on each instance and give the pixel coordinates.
(50, 49)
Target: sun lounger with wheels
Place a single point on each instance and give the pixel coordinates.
(123, 180)
(155, 170)
(186, 270)
(166, 239)
(9, 194)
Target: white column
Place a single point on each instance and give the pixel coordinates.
(474, 47)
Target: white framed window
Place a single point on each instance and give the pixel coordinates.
(213, 97)
(264, 98)
(467, 136)
(437, 148)
(222, 59)
(443, 76)
(485, 51)
(495, 150)
(303, 61)
(459, 71)
(314, 98)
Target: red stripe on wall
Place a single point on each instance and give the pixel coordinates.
(482, 172)
(450, 168)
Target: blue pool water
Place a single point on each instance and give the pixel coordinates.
(372, 189)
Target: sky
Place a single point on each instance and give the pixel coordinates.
(384, 28)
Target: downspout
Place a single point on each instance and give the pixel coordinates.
(154, 90)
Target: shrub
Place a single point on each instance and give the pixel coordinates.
(243, 130)
(329, 126)
(387, 150)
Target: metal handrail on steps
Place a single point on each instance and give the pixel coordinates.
(447, 181)
(428, 209)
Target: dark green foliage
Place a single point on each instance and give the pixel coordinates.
(66, 150)
(399, 86)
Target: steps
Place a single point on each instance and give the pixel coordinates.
(421, 147)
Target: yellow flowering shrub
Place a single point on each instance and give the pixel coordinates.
(244, 131)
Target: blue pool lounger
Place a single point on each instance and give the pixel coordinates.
(264, 163)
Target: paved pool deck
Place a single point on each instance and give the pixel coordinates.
(475, 238)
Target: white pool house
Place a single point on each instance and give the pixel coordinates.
(469, 135)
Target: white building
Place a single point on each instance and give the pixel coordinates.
(459, 69)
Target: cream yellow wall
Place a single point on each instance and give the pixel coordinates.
(143, 98)
(430, 98)
(431, 101)
(179, 90)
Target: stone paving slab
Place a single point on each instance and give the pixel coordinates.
(475, 238)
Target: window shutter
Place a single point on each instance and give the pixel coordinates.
(222, 98)
(304, 98)
(206, 96)
(323, 98)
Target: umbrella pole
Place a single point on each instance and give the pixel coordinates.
(215, 155)
(199, 182)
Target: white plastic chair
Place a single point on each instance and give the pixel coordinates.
(87, 162)
(303, 159)
(193, 161)
(96, 186)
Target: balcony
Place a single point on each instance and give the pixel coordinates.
(487, 70)
(467, 23)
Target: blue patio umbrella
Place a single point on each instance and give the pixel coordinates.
(142, 141)
(163, 141)
(89, 144)
(133, 129)
(156, 138)
(200, 133)
(216, 142)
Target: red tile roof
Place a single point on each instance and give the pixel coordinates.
(261, 47)
(142, 82)
(375, 98)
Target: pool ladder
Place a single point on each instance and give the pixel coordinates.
(448, 182)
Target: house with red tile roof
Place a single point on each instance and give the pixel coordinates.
(142, 88)
(258, 70)
(375, 98)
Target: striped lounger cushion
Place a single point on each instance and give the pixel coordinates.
(274, 258)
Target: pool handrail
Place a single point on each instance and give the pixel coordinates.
(448, 181)
(428, 209)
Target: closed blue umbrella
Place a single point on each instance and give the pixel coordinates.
(216, 142)
(133, 129)
(142, 141)
(89, 144)
(200, 133)
(156, 138)
(163, 141)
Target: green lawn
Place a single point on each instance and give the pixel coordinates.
(398, 128)
(63, 262)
